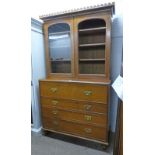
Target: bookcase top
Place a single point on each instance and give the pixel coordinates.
(73, 12)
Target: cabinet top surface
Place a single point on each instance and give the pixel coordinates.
(77, 81)
(102, 7)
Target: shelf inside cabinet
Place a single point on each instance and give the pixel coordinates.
(91, 60)
(60, 60)
(92, 30)
(92, 44)
(92, 67)
(59, 33)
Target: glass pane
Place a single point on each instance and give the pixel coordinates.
(92, 34)
(60, 48)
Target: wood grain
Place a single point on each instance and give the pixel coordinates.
(74, 91)
(84, 106)
(97, 133)
(76, 102)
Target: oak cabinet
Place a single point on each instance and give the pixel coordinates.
(75, 95)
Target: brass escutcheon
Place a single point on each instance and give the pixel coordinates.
(88, 130)
(54, 102)
(54, 89)
(87, 92)
(55, 112)
(87, 106)
(88, 117)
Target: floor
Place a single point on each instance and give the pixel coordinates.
(54, 144)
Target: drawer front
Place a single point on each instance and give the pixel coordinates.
(97, 93)
(79, 91)
(56, 90)
(88, 131)
(87, 118)
(98, 119)
(74, 105)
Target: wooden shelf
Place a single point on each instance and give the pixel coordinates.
(92, 44)
(63, 60)
(91, 60)
(92, 29)
(59, 33)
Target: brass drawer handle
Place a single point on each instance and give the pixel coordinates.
(87, 92)
(54, 102)
(87, 117)
(55, 123)
(87, 106)
(88, 130)
(55, 112)
(54, 90)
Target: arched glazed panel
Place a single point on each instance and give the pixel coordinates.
(60, 47)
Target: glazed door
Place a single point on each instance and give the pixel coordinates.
(59, 48)
(93, 46)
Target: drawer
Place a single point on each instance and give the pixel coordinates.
(55, 89)
(81, 117)
(90, 92)
(82, 130)
(74, 105)
(97, 119)
(77, 91)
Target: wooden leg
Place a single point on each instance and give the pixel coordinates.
(45, 132)
(104, 147)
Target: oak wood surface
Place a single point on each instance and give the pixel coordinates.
(85, 106)
(86, 40)
(98, 133)
(77, 103)
(98, 119)
(74, 91)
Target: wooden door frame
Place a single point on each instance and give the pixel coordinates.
(69, 21)
(107, 19)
